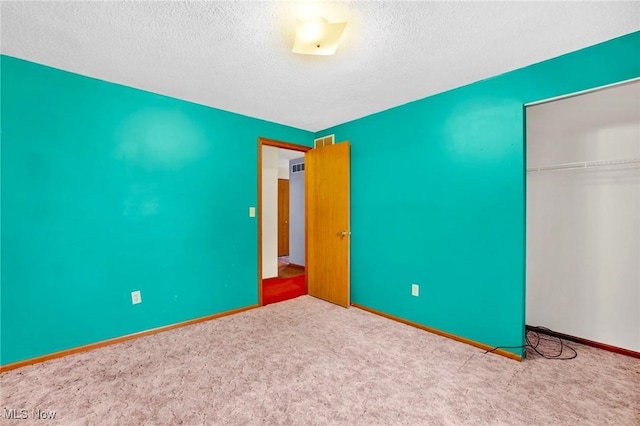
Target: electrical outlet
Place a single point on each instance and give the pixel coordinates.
(136, 297)
(415, 290)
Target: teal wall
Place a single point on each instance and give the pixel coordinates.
(438, 195)
(108, 189)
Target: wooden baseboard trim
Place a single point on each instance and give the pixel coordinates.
(604, 346)
(120, 339)
(441, 333)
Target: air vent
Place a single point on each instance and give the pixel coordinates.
(297, 168)
(324, 141)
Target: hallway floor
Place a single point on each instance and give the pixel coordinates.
(289, 284)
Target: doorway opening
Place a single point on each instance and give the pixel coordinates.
(281, 221)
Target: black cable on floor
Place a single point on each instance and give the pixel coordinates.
(534, 346)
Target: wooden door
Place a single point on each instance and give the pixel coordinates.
(327, 209)
(283, 217)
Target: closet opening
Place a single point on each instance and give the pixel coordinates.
(583, 217)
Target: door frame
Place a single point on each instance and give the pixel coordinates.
(275, 144)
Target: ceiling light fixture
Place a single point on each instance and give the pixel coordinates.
(317, 36)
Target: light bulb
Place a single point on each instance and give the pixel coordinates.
(313, 29)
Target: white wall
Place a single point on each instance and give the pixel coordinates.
(269, 212)
(583, 226)
(296, 215)
(283, 171)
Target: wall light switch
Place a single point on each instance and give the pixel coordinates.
(252, 212)
(136, 297)
(415, 290)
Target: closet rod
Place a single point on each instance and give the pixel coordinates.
(584, 165)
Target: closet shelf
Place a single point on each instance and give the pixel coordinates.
(629, 162)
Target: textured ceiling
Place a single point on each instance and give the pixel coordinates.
(237, 55)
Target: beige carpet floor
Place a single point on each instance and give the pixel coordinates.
(308, 362)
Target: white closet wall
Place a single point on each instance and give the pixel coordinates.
(583, 225)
